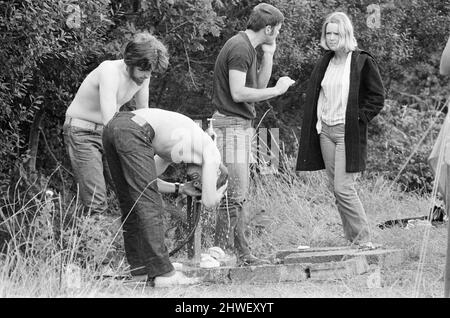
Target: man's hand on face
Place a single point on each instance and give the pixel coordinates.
(269, 48)
(189, 189)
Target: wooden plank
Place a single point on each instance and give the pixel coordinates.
(381, 257)
(283, 253)
(194, 245)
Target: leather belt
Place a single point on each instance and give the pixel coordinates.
(81, 123)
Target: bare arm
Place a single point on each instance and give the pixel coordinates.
(211, 161)
(168, 187)
(184, 188)
(108, 87)
(241, 93)
(161, 165)
(444, 68)
(265, 70)
(141, 97)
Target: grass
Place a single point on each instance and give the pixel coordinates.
(285, 211)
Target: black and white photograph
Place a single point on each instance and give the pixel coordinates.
(224, 156)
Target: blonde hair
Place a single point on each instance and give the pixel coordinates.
(347, 40)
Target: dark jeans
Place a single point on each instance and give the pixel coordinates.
(127, 140)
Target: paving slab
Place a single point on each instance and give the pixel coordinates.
(294, 272)
(251, 274)
(322, 263)
(334, 270)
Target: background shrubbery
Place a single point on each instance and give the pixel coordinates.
(45, 55)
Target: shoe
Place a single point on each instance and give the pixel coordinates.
(177, 279)
(251, 260)
(133, 279)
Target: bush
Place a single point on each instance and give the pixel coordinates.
(400, 133)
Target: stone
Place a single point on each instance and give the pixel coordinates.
(334, 270)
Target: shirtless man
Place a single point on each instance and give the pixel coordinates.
(139, 146)
(101, 94)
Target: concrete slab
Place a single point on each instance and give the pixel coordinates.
(269, 273)
(295, 272)
(299, 265)
(250, 274)
(338, 270)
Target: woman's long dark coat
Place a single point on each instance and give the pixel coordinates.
(365, 101)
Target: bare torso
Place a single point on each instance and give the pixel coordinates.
(177, 137)
(86, 104)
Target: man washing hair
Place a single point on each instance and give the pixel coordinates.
(139, 146)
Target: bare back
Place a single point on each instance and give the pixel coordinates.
(87, 103)
(177, 137)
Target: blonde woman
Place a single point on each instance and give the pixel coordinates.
(345, 93)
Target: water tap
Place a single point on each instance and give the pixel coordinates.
(210, 129)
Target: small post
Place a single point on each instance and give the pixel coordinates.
(195, 243)
(194, 206)
(447, 211)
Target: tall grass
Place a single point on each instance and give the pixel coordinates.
(299, 209)
(47, 237)
(44, 241)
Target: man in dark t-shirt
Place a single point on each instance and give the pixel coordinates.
(239, 82)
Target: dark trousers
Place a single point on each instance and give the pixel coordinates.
(127, 140)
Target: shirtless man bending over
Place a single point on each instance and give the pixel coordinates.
(139, 146)
(101, 94)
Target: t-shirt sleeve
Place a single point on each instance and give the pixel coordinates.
(239, 59)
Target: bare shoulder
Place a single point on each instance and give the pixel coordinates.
(108, 67)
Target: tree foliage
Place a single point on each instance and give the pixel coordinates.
(48, 47)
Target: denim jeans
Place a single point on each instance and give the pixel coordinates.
(127, 140)
(234, 136)
(85, 150)
(351, 210)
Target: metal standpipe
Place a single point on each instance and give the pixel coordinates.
(193, 216)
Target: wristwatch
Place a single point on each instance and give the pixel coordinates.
(177, 188)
